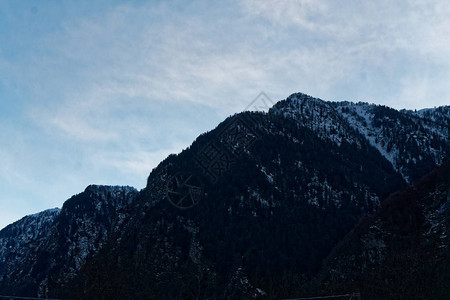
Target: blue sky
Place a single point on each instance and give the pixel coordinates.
(101, 91)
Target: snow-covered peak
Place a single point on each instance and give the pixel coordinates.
(317, 115)
(31, 226)
(299, 97)
(46, 213)
(104, 194)
(60, 240)
(94, 188)
(409, 140)
(19, 238)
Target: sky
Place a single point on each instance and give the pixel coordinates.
(99, 92)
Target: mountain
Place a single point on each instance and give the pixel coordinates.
(19, 244)
(54, 244)
(414, 142)
(251, 209)
(272, 194)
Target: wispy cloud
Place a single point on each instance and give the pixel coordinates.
(106, 91)
(372, 44)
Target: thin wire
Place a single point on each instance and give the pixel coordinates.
(325, 297)
(26, 298)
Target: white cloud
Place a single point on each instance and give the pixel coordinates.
(110, 93)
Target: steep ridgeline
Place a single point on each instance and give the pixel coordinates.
(50, 247)
(402, 252)
(278, 191)
(414, 142)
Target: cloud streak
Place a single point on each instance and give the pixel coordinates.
(103, 93)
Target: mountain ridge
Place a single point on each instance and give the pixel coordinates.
(268, 160)
(56, 242)
(301, 175)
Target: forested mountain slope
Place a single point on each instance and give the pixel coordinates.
(251, 209)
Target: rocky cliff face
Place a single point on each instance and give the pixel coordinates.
(20, 244)
(53, 245)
